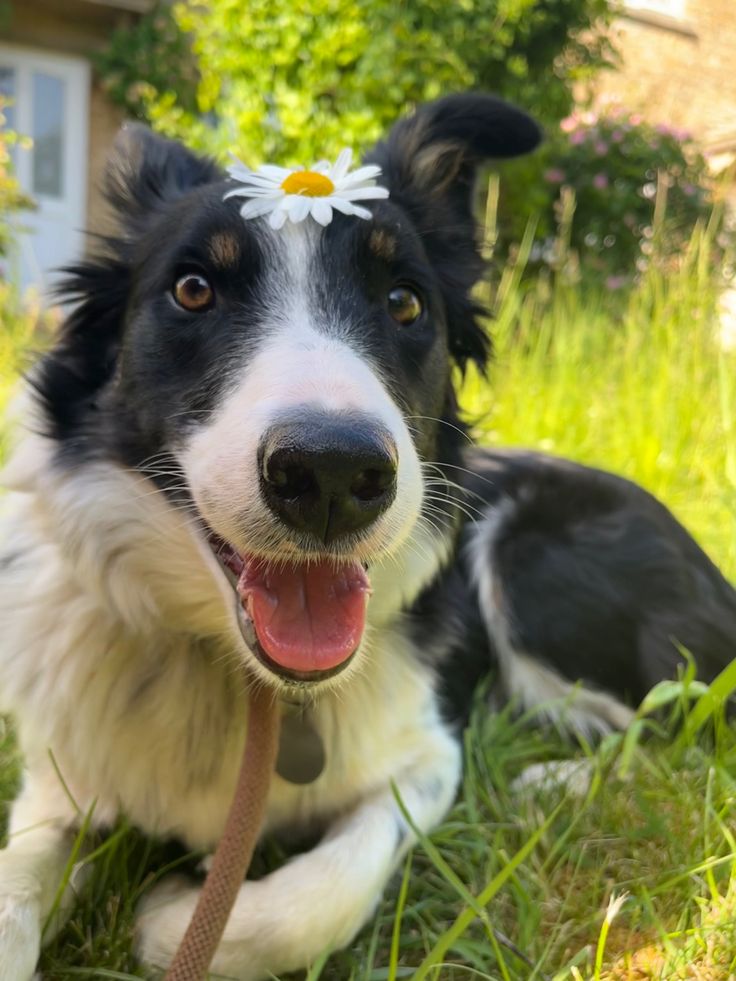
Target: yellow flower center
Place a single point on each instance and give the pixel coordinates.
(308, 182)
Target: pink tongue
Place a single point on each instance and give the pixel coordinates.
(306, 617)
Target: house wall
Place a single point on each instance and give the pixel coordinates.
(680, 70)
(75, 27)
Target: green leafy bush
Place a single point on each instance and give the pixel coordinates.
(150, 56)
(274, 80)
(639, 189)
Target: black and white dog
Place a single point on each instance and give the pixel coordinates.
(245, 451)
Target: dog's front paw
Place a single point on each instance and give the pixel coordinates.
(20, 937)
(163, 917)
(161, 921)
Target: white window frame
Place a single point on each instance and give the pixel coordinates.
(75, 72)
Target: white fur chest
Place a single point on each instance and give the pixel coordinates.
(96, 578)
(154, 726)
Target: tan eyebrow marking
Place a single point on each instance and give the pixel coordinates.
(224, 249)
(382, 244)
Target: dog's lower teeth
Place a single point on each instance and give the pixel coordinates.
(247, 630)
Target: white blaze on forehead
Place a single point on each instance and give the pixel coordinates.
(303, 357)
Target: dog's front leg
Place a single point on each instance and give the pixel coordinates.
(319, 900)
(31, 869)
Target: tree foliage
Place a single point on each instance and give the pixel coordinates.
(274, 80)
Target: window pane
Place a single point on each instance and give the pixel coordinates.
(48, 130)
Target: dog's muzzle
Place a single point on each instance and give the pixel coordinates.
(327, 478)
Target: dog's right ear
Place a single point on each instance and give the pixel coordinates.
(146, 171)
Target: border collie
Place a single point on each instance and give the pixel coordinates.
(244, 451)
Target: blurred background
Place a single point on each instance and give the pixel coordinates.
(634, 95)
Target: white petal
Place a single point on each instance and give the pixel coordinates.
(275, 173)
(237, 192)
(258, 207)
(321, 167)
(254, 192)
(278, 216)
(239, 172)
(367, 173)
(321, 211)
(298, 207)
(342, 165)
(364, 193)
(255, 180)
(340, 204)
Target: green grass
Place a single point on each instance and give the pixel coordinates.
(640, 387)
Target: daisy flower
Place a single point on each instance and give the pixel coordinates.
(281, 193)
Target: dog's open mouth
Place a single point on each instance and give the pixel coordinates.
(304, 621)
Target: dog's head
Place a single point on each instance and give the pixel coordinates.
(288, 385)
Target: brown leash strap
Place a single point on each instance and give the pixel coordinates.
(235, 850)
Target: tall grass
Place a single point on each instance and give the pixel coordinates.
(640, 385)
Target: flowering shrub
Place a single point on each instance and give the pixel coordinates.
(11, 197)
(620, 170)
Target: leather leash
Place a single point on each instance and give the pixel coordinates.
(235, 849)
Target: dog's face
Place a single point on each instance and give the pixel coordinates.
(288, 384)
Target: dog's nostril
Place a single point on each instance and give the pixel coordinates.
(291, 482)
(371, 484)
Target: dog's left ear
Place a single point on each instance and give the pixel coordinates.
(146, 171)
(429, 162)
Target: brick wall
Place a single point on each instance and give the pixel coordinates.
(680, 71)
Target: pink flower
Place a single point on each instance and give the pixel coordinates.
(568, 124)
(615, 282)
(688, 189)
(554, 175)
(577, 137)
(636, 119)
(617, 136)
(600, 181)
(600, 147)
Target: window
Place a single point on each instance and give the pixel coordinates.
(50, 104)
(48, 132)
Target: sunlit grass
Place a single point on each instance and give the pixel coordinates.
(640, 386)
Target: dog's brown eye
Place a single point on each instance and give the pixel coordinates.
(404, 305)
(193, 292)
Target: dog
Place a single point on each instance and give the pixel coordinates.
(243, 464)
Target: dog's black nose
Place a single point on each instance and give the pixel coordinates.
(327, 474)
